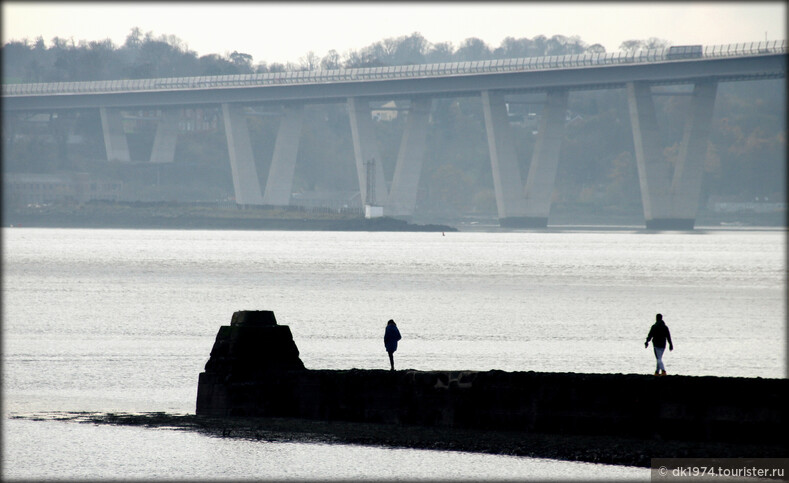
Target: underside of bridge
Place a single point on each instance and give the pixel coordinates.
(670, 191)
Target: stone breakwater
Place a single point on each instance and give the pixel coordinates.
(255, 371)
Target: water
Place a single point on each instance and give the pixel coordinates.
(123, 320)
(86, 451)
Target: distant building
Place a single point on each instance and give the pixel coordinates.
(31, 188)
(386, 112)
(189, 120)
(519, 114)
(199, 120)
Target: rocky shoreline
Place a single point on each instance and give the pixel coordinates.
(192, 222)
(199, 216)
(209, 216)
(582, 448)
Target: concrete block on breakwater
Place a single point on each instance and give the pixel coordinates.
(255, 371)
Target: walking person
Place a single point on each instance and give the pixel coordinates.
(659, 334)
(391, 336)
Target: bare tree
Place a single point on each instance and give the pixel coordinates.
(310, 61)
(133, 40)
(650, 43)
(656, 43)
(331, 60)
(631, 45)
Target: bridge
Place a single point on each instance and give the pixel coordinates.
(670, 195)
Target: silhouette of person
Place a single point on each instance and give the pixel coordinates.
(659, 334)
(391, 336)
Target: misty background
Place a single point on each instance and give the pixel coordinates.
(746, 158)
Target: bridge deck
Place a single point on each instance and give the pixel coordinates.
(421, 71)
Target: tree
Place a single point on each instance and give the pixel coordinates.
(656, 43)
(512, 48)
(366, 58)
(241, 61)
(557, 45)
(214, 64)
(133, 39)
(310, 61)
(633, 46)
(374, 55)
(441, 52)
(473, 49)
(331, 60)
(539, 46)
(595, 49)
(410, 50)
(96, 59)
(575, 45)
(67, 65)
(58, 43)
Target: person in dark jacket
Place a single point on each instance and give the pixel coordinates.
(391, 336)
(659, 334)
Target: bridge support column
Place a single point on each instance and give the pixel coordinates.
(402, 196)
(365, 151)
(242, 162)
(670, 199)
(114, 137)
(166, 135)
(653, 171)
(279, 183)
(545, 159)
(510, 201)
(689, 171)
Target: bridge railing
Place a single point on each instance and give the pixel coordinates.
(748, 48)
(389, 72)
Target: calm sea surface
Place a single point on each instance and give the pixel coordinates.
(124, 320)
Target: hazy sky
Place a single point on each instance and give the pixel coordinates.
(285, 32)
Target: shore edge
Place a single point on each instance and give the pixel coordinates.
(579, 448)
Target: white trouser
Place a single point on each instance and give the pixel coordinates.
(659, 357)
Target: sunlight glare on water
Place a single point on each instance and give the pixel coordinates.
(124, 320)
(97, 452)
